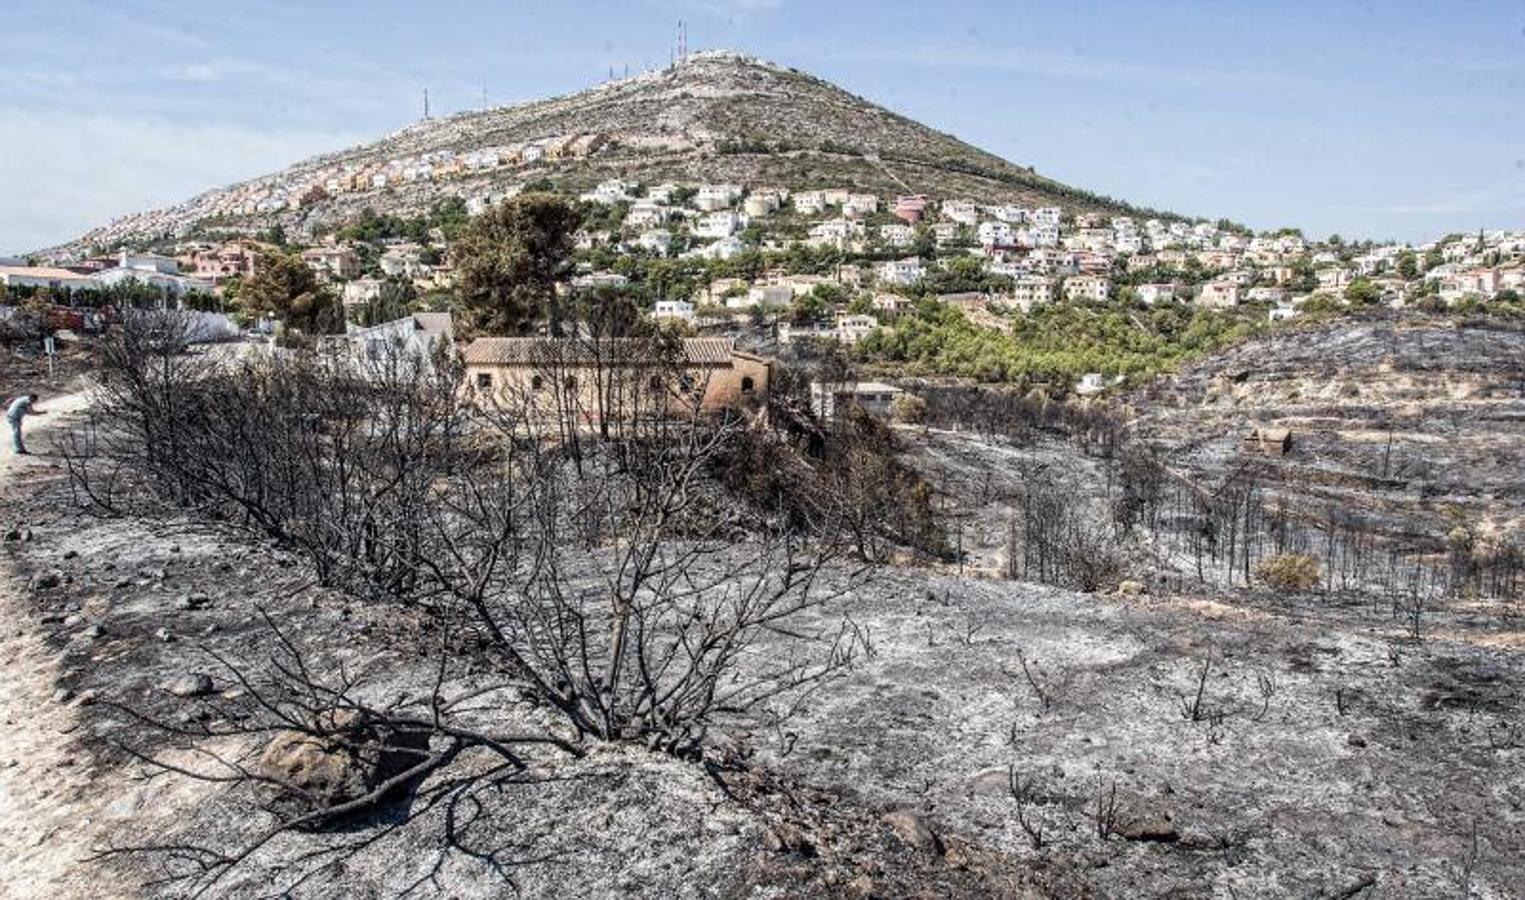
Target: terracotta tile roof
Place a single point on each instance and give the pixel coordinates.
(41, 272)
(706, 351)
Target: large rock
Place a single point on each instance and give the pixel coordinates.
(913, 830)
(324, 768)
(1152, 825)
(342, 758)
(191, 684)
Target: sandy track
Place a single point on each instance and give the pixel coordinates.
(53, 814)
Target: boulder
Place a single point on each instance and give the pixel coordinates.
(342, 757)
(913, 830)
(324, 768)
(191, 684)
(1152, 826)
(1131, 588)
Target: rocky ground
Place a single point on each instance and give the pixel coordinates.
(1327, 756)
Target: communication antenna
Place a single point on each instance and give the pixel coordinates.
(682, 42)
(426, 103)
(484, 98)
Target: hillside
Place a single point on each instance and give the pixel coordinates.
(1411, 425)
(716, 117)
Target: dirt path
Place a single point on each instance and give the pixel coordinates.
(52, 813)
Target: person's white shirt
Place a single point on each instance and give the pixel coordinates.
(18, 408)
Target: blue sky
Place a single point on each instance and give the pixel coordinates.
(1373, 119)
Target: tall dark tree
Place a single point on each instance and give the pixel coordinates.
(288, 289)
(508, 261)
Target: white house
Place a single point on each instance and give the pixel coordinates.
(362, 291)
(1090, 383)
(897, 235)
(834, 233)
(1333, 278)
(995, 233)
(853, 328)
(1039, 235)
(763, 295)
(677, 310)
(657, 240)
(414, 335)
(175, 285)
(964, 212)
(860, 205)
(646, 214)
(1151, 294)
(900, 271)
(809, 203)
(1127, 242)
(716, 196)
(612, 191)
(149, 262)
(725, 248)
(719, 224)
(871, 396)
(1282, 312)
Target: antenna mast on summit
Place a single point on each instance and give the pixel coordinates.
(682, 42)
(426, 103)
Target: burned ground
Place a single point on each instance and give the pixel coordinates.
(1172, 739)
(1415, 424)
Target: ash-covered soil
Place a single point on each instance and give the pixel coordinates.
(1415, 424)
(1327, 755)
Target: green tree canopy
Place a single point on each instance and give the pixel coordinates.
(289, 290)
(1362, 292)
(508, 261)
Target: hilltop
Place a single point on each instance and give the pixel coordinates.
(717, 116)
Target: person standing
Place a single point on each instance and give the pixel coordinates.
(20, 408)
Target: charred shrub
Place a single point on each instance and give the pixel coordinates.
(1290, 572)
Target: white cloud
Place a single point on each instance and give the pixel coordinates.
(67, 173)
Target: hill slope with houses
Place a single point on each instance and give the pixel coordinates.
(716, 116)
